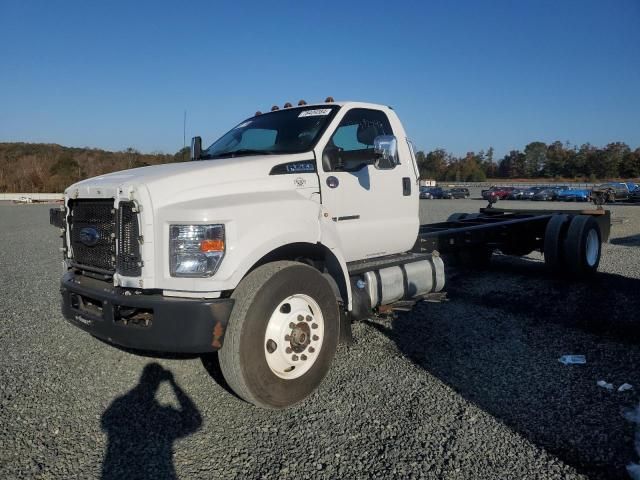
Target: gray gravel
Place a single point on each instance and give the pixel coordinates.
(466, 389)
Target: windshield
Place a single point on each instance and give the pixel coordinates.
(292, 130)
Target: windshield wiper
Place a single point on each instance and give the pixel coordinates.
(238, 153)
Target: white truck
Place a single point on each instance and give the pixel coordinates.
(271, 241)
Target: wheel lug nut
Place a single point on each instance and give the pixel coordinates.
(287, 338)
(309, 318)
(300, 318)
(314, 325)
(288, 350)
(303, 357)
(292, 325)
(294, 358)
(311, 349)
(316, 338)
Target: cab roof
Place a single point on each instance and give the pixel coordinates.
(348, 103)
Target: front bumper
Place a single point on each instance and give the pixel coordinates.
(150, 322)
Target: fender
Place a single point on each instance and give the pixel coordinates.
(330, 239)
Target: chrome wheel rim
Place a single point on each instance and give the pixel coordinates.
(593, 247)
(294, 336)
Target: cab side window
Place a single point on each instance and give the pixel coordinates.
(351, 146)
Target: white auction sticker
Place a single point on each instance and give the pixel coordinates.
(315, 113)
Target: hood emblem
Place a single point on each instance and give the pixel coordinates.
(89, 236)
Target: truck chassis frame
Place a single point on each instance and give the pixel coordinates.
(513, 231)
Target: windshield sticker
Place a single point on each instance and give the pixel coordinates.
(243, 124)
(315, 113)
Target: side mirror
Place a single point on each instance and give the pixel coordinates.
(385, 148)
(196, 148)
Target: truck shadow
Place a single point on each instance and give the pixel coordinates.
(497, 344)
(607, 305)
(141, 431)
(211, 364)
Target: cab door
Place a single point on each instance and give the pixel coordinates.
(374, 208)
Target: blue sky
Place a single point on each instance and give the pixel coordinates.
(462, 75)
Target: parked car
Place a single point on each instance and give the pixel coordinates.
(574, 195)
(621, 191)
(553, 191)
(516, 194)
(425, 193)
(498, 192)
(528, 193)
(438, 192)
(456, 191)
(545, 194)
(459, 192)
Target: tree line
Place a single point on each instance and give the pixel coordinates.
(538, 160)
(33, 167)
(37, 167)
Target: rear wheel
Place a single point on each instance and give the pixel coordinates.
(583, 245)
(282, 334)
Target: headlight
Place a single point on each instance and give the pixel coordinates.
(195, 250)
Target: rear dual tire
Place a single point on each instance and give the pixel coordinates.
(573, 245)
(583, 246)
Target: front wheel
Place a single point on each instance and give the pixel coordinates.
(282, 334)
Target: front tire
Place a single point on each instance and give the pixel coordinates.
(282, 334)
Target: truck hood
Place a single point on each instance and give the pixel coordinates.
(175, 182)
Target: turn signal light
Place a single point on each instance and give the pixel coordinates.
(211, 246)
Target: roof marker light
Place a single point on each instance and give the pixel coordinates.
(301, 102)
(287, 105)
(328, 100)
(258, 113)
(274, 108)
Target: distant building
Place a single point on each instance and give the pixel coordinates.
(427, 182)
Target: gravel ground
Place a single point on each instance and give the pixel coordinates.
(466, 389)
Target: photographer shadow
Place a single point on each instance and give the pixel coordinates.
(141, 431)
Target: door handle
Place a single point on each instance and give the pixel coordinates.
(406, 186)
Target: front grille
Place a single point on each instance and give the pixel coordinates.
(129, 261)
(93, 229)
(92, 232)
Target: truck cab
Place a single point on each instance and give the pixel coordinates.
(260, 236)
